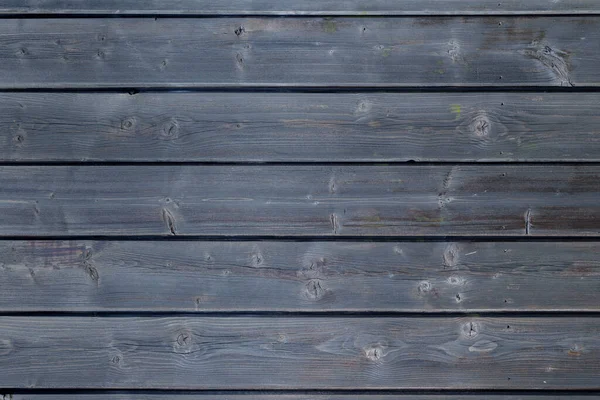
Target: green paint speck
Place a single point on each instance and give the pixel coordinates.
(440, 71)
(386, 52)
(455, 109)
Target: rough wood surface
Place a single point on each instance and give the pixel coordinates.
(290, 127)
(294, 7)
(299, 353)
(175, 276)
(290, 52)
(300, 200)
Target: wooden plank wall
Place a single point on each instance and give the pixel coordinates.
(299, 200)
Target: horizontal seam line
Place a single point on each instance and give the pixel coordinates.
(313, 314)
(291, 163)
(293, 14)
(134, 89)
(292, 238)
(324, 391)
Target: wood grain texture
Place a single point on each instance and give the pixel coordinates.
(184, 276)
(291, 127)
(290, 7)
(300, 200)
(292, 52)
(279, 396)
(299, 353)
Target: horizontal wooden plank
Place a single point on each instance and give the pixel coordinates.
(291, 52)
(299, 353)
(290, 7)
(300, 200)
(184, 276)
(234, 127)
(279, 396)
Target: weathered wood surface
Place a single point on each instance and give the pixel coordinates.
(291, 7)
(285, 396)
(299, 353)
(300, 200)
(290, 127)
(175, 276)
(291, 52)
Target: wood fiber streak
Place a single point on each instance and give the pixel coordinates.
(183, 276)
(292, 127)
(294, 52)
(301, 200)
(292, 7)
(299, 353)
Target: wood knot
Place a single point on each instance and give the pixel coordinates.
(169, 220)
(183, 339)
(314, 289)
(424, 287)
(334, 220)
(527, 218)
(364, 107)
(171, 129)
(332, 185)
(19, 139)
(481, 125)
(575, 350)
(240, 60)
(128, 123)
(456, 281)
(443, 200)
(282, 338)
(257, 258)
(450, 256)
(556, 61)
(313, 268)
(92, 272)
(374, 353)
(239, 31)
(116, 359)
(470, 329)
(183, 342)
(88, 267)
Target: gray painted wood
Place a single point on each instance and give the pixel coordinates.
(299, 353)
(176, 276)
(291, 52)
(300, 200)
(290, 127)
(280, 396)
(291, 7)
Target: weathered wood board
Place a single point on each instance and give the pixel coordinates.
(292, 7)
(190, 276)
(293, 127)
(300, 353)
(300, 52)
(300, 200)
